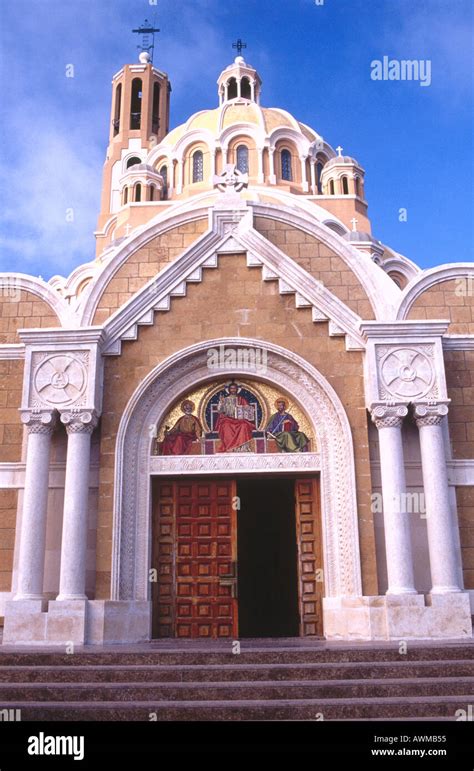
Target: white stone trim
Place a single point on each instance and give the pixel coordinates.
(12, 351)
(133, 463)
(235, 463)
(12, 476)
(42, 290)
(429, 278)
(461, 472)
(458, 342)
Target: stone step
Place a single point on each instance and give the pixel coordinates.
(239, 691)
(414, 707)
(222, 654)
(234, 672)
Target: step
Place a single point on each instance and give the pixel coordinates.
(220, 655)
(234, 672)
(265, 690)
(304, 709)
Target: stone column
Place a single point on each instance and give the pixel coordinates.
(179, 184)
(252, 90)
(271, 154)
(40, 427)
(304, 181)
(72, 581)
(260, 173)
(389, 422)
(213, 166)
(239, 88)
(313, 176)
(439, 523)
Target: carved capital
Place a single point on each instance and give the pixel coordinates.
(389, 415)
(429, 414)
(79, 421)
(39, 421)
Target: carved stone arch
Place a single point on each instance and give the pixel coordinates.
(150, 402)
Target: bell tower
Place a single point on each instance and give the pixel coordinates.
(139, 120)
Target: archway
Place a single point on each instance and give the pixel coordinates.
(135, 466)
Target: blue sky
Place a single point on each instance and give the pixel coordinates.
(415, 143)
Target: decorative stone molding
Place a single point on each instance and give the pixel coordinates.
(231, 232)
(428, 278)
(430, 414)
(231, 180)
(12, 351)
(388, 416)
(134, 464)
(406, 373)
(235, 463)
(404, 362)
(63, 369)
(39, 421)
(79, 422)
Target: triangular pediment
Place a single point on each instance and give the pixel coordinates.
(231, 234)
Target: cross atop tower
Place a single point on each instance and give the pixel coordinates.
(147, 31)
(239, 45)
(339, 151)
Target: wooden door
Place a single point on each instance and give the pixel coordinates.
(310, 562)
(195, 551)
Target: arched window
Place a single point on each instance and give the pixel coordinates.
(319, 170)
(286, 165)
(245, 90)
(357, 186)
(136, 104)
(198, 166)
(331, 187)
(155, 114)
(345, 186)
(125, 195)
(232, 89)
(133, 161)
(164, 174)
(152, 193)
(243, 159)
(118, 107)
(138, 193)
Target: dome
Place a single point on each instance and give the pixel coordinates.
(342, 160)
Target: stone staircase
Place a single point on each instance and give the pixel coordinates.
(268, 680)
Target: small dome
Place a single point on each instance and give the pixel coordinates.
(342, 160)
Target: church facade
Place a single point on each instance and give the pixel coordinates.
(247, 417)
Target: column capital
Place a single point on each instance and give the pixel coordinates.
(388, 415)
(79, 421)
(429, 414)
(39, 421)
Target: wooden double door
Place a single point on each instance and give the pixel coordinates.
(236, 558)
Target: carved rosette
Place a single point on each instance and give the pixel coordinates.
(79, 422)
(39, 421)
(430, 414)
(59, 378)
(389, 416)
(406, 373)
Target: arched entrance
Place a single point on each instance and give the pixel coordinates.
(132, 530)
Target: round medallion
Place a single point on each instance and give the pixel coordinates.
(60, 379)
(407, 373)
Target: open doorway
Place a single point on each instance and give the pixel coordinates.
(267, 558)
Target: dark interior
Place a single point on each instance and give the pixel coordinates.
(267, 578)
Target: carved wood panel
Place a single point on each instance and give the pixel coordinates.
(310, 557)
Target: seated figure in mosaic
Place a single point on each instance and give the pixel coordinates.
(284, 429)
(186, 430)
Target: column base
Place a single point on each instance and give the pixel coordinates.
(398, 617)
(77, 622)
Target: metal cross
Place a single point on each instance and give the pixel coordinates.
(239, 45)
(339, 150)
(147, 30)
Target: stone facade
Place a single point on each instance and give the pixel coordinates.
(376, 354)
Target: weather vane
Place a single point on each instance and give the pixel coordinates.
(239, 45)
(147, 31)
